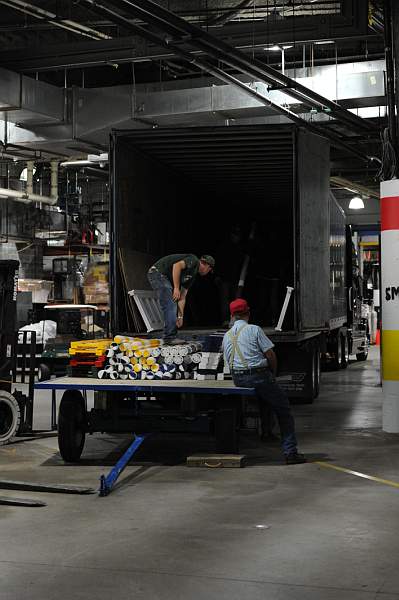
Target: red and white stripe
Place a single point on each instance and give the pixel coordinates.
(390, 302)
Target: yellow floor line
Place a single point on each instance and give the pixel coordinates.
(363, 475)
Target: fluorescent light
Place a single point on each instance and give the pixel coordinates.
(274, 48)
(287, 47)
(323, 42)
(356, 203)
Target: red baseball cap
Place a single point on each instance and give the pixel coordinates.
(239, 306)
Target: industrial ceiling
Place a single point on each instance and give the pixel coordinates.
(73, 65)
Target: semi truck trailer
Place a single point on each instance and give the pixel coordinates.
(180, 190)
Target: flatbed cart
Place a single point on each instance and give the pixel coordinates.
(147, 407)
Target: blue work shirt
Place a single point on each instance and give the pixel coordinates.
(252, 342)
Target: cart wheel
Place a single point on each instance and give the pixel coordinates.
(10, 417)
(43, 372)
(71, 426)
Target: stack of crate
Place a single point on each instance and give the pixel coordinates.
(88, 357)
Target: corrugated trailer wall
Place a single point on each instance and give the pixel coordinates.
(144, 221)
(313, 188)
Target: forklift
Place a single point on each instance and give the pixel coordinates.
(16, 408)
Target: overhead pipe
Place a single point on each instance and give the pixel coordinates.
(183, 32)
(40, 13)
(227, 78)
(29, 176)
(54, 180)
(26, 198)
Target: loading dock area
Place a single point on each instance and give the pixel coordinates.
(169, 531)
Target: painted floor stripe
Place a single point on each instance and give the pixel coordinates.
(363, 475)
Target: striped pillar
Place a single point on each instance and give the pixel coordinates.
(390, 303)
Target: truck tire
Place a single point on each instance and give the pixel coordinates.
(314, 377)
(362, 355)
(336, 362)
(43, 372)
(71, 426)
(10, 417)
(344, 351)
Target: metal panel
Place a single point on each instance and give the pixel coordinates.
(150, 309)
(313, 176)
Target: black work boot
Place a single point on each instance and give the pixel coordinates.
(294, 458)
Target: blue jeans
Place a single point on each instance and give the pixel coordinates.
(164, 289)
(269, 393)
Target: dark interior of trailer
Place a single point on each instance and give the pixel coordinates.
(224, 192)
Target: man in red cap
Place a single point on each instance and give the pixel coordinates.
(253, 364)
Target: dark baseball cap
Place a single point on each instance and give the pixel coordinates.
(209, 260)
(239, 306)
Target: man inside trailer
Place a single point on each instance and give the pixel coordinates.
(171, 277)
(253, 364)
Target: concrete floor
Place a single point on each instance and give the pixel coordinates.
(168, 531)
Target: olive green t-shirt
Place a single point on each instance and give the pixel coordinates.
(165, 266)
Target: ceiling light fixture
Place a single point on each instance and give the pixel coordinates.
(323, 42)
(356, 203)
(276, 47)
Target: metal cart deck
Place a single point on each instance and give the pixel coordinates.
(147, 407)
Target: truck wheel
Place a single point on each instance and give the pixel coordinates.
(10, 417)
(317, 372)
(71, 426)
(43, 372)
(344, 352)
(362, 355)
(336, 362)
(314, 377)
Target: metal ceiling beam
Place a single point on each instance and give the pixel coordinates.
(227, 78)
(351, 185)
(182, 33)
(226, 17)
(45, 15)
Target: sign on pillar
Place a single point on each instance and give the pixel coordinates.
(390, 303)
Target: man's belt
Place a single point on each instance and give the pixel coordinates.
(251, 371)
